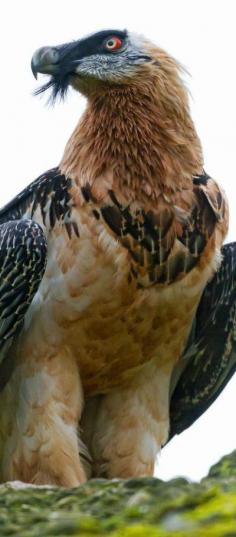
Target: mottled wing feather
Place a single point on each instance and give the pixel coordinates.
(199, 226)
(166, 244)
(49, 194)
(211, 353)
(215, 198)
(22, 264)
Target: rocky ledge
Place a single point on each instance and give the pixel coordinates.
(136, 508)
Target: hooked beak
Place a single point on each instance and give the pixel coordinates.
(46, 61)
(60, 62)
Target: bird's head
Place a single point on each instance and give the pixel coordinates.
(104, 59)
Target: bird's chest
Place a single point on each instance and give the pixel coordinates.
(89, 303)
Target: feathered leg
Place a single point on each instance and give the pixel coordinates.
(125, 429)
(42, 402)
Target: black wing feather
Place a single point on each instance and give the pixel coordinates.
(211, 353)
(23, 253)
(49, 193)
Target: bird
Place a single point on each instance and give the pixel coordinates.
(131, 229)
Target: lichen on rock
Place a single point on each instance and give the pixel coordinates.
(145, 507)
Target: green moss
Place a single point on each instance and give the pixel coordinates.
(226, 467)
(139, 531)
(138, 507)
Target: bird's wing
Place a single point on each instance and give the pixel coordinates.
(23, 252)
(48, 195)
(22, 264)
(211, 353)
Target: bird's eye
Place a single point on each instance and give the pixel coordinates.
(113, 43)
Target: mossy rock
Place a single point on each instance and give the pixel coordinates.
(144, 507)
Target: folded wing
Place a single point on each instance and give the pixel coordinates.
(22, 264)
(211, 353)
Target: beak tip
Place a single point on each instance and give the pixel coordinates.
(34, 69)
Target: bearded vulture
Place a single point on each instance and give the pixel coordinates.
(114, 346)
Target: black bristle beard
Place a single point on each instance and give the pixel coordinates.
(58, 85)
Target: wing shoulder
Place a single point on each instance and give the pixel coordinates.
(49, 194)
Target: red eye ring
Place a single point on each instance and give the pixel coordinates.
(113, 43)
